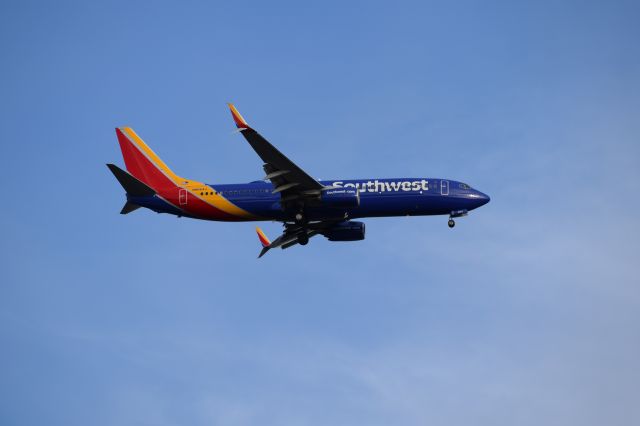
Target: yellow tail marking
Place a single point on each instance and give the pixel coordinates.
(215, 200)
(152, 155)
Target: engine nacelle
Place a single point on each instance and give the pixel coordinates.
(340, 197)
(345, 231)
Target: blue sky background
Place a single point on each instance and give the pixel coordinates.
(527, 313)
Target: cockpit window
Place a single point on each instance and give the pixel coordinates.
(464, 186)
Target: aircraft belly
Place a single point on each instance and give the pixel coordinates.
(402, 205)
(370, 206)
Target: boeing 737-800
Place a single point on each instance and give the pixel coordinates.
(306, 206)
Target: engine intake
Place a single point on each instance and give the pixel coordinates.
(345, 231)
(340, 197)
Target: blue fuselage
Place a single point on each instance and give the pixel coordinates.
(378, 198)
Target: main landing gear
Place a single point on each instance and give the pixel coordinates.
(303, 238)
(451, 223)
(301, 221)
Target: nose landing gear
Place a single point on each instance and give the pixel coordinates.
(456, 213)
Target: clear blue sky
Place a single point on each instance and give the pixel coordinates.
(527, 313)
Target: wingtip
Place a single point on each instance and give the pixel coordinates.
(266, 244)
(263, 238)
(241, 123)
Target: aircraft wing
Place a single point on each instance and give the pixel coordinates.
(288, 238)
(292, 235)
(288, 179)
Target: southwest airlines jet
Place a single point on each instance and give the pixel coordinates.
(287, 194)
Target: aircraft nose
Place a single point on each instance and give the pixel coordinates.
(484, 198)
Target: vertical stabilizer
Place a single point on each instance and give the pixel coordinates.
(143, 163)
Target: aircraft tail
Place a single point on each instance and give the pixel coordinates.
(129, 207)
(132, 186)
(142, 163)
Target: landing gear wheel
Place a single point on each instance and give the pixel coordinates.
(303, 239)
(451, 223)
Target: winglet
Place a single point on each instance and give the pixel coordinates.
(240, 122)
(263, 238)
(266, 244)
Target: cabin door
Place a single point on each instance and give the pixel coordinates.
(444, 187)
(182, 196)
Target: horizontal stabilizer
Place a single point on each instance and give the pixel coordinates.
(130, 184)
(129, 207)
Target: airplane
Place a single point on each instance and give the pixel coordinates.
(305, 206)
